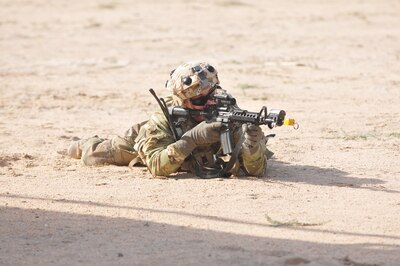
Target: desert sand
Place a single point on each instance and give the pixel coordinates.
(73, 69)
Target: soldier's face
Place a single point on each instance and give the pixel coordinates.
(200, 101)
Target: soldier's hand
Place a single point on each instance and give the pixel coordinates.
(204, 133)
(253, 136)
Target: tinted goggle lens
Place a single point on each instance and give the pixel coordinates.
(200, 101)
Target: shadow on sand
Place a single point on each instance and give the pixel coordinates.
(308, 174)
(39, 237)
(313, 175)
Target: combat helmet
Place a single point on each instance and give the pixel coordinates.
(189, 79)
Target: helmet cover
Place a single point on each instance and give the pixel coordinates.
(190, 79)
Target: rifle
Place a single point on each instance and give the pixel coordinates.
(225, 110)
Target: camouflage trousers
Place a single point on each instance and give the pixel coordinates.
(118, 150)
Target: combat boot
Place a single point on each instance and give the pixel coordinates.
(75, 148)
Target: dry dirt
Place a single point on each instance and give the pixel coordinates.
(78, 68)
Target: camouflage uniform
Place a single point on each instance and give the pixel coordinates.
(152, 144)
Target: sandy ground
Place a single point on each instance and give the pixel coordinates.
(78, 68)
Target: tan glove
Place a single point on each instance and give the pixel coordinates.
(252, 137)
(203, 133)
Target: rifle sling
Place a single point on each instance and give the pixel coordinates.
(208, 172)
(234, 156)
